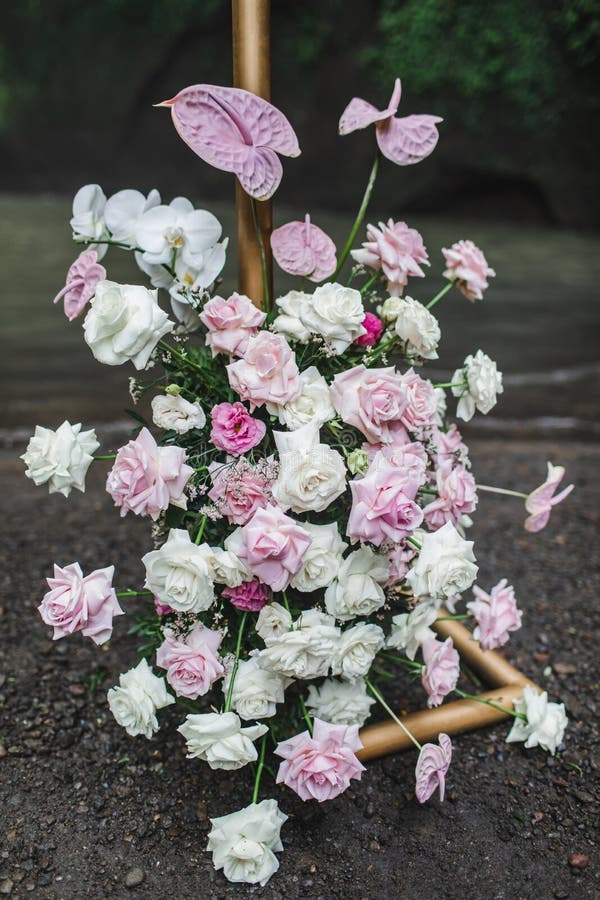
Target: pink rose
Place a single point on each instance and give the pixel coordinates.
(399, 556)
(432, 765)
(250, 595)
(441, 671)
(146, 478)
(540, 502)
(449, 445)
(383, 507)
(191, 661)
(239, 489)
(397, 250)
(234, 430)
(373, 328)
(75, 603)
(271, 545)
(319, 767)
(420, 410)
(496, 614)
(372, 400)
(268, 372)
(82, 278)
(231, 323)
(467, 266)
(457, 496)
(405, 454)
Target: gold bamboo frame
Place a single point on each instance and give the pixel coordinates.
(251, 71)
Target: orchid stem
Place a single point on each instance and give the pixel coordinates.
(390, 712)
(263, 256)
(497, 490)
(134, 593)
(259, 770)
(441, 294)
(360, 216)
(236, 663)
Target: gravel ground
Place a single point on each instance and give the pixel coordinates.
(87, 811)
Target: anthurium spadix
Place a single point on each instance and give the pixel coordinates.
(235, 131)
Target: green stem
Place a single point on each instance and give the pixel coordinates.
(450, 384)
(411, 663)
(368, 283)
(201, 529)
(188, 362)
(428, 491)
(497, 490)
(504, 709)
(134, 593)
(263, 256)
(360, 216)
(390, 712)
(108, 456)
(414, 543)
(306, 715)
(259, 770)
(441, 294)
(286, 602)
(236, 663)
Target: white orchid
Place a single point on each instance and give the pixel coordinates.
(177, 230)
(124, 210)
(88, 222)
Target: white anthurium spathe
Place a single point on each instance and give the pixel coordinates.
(88, 222)
(164, 231)
(123, 211)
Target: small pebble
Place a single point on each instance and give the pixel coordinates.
(134, 877)
(578, 861)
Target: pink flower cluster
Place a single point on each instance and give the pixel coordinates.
(249, 596)
(373, 327)
(240, 488)
(231, 323)
(192, 662)
(77, 603)
(395, 249)
(496, 614)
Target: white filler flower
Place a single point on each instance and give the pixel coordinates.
(220, 740)
(340, 702)
(483, 384)
(418, 327)
(60, 457)
(179, 574)
(242, 843)
(137, 698)
(444, 567)
(545, 722)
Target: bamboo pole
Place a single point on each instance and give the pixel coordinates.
(252, 72)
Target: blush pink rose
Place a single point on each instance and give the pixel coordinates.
(383, 504)
(234, 430)
(440, 675)
(231, 323)
(320, 767)
(373, 328)
(249, 595)
(449, 445)
(191, 662)
(146, 478)
(457, 496)
(432, 765)
(82, 278)
(271, 545)
(540, 502)
(77, 603)
(496, 614)
(410, 456)
(420, 410)
(239, 489)
(268, 372)
(372, 400)
(395, 249)
(467, 266)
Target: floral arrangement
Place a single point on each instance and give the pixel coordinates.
(309, 495)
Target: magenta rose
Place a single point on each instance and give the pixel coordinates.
(191, 662)
(268, 372)
(457, 496)
(383, 504)
(467, 266)
(440, 675)
(420, 410)
(396, 250)
(432, 765)
(373, 328)
(77, 603)
(239, 489)
(372, 400)
(250, 596)
(271, 545)
(234, 430)
(231, 323)
(162, 609)
(496, 614)
(320, 767)
(146, 478)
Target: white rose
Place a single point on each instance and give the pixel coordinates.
(340, 702)
(137, 698)
(311, 475)
(444, 567)
(357, 590)
(242, 843)
(418, 327)
(220, 740)
(273, 620)
(323, 557)
(390, 308)
(176, 414)
(545, 723)
(484, 382)
(336, 313)
(60, 457)
(180, 574)
(313, 404)
(411, 630)
(290, 321)
(226, 567)
(356, 650)
(442, 405)
(124, 323)
(255, 690)
(305, 651)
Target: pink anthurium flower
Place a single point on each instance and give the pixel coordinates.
(540, 502)
(82, 278)
(301, 248)
(235, 131)
(405, 140)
